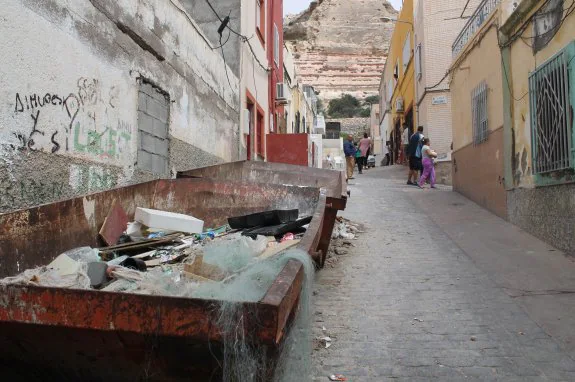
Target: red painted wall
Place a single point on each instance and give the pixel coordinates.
(288, 148)
(275, 16)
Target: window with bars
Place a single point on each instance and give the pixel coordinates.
(479, 113)
(550, 88)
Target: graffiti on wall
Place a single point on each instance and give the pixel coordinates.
(78, 122)
(31, 191)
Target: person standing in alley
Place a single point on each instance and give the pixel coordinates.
(414, 152)
(364, 146)
(358, 159)
(428, 155)
(405, 144)
(349, 151)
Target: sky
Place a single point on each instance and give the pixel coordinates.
(296, 6)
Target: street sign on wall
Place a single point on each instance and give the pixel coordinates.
(439, 100)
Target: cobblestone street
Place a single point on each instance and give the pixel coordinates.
(430, 293)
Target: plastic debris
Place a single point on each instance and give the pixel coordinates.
(83, 254)
(417, 319)
(169, 220)
(287, 236)
(97, 273)
(337, 377)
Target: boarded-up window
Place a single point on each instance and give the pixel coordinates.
(153, 140)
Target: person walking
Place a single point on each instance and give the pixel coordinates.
(414, 152)
(364, 146)
(358, 159)
(349, 151)
(428, 155)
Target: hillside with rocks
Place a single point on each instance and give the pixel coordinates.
(340, 46)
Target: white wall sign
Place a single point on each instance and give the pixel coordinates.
(439, 100)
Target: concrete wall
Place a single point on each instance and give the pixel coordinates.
(478, 169)
(73, 74)
(478, 173)
(207, 19)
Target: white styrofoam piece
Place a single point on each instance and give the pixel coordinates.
(169, 220)
(65, 265)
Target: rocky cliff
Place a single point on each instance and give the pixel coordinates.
(340, 46)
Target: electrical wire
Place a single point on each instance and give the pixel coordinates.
(509, 84)
(183, 11)
(243, 38)
(519, 34)
(225, 63)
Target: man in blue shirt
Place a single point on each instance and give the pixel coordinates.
(349, 151)
(414, 153)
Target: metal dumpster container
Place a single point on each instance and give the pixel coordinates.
(333, 182)
(69, 334)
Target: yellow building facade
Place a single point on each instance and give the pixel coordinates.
(397, 89)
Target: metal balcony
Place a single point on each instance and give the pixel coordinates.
(479, 17)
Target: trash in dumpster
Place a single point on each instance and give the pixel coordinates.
(97, 273)
(169, 220)
(114, 225)
(278, 230)
(169, 263)
(263, 219)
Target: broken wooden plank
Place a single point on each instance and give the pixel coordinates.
(115, 224)
(271, 251)
(209, 271)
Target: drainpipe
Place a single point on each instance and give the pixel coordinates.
(508, 138)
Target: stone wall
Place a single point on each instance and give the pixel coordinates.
(98, 94)
(353, 126)
(545, 212)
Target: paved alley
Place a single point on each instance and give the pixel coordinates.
(439, 289)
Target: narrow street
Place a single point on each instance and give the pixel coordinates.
(438, 288)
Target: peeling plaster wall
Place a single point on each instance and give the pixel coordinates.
(71, 71)
(522, 62)
(546, 211)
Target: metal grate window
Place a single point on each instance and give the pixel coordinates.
(551, 132)
(479, 113)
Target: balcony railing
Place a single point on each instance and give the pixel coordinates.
(480, 15)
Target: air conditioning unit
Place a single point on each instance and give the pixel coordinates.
(281, 92)
(246, 121)
(399, 105)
